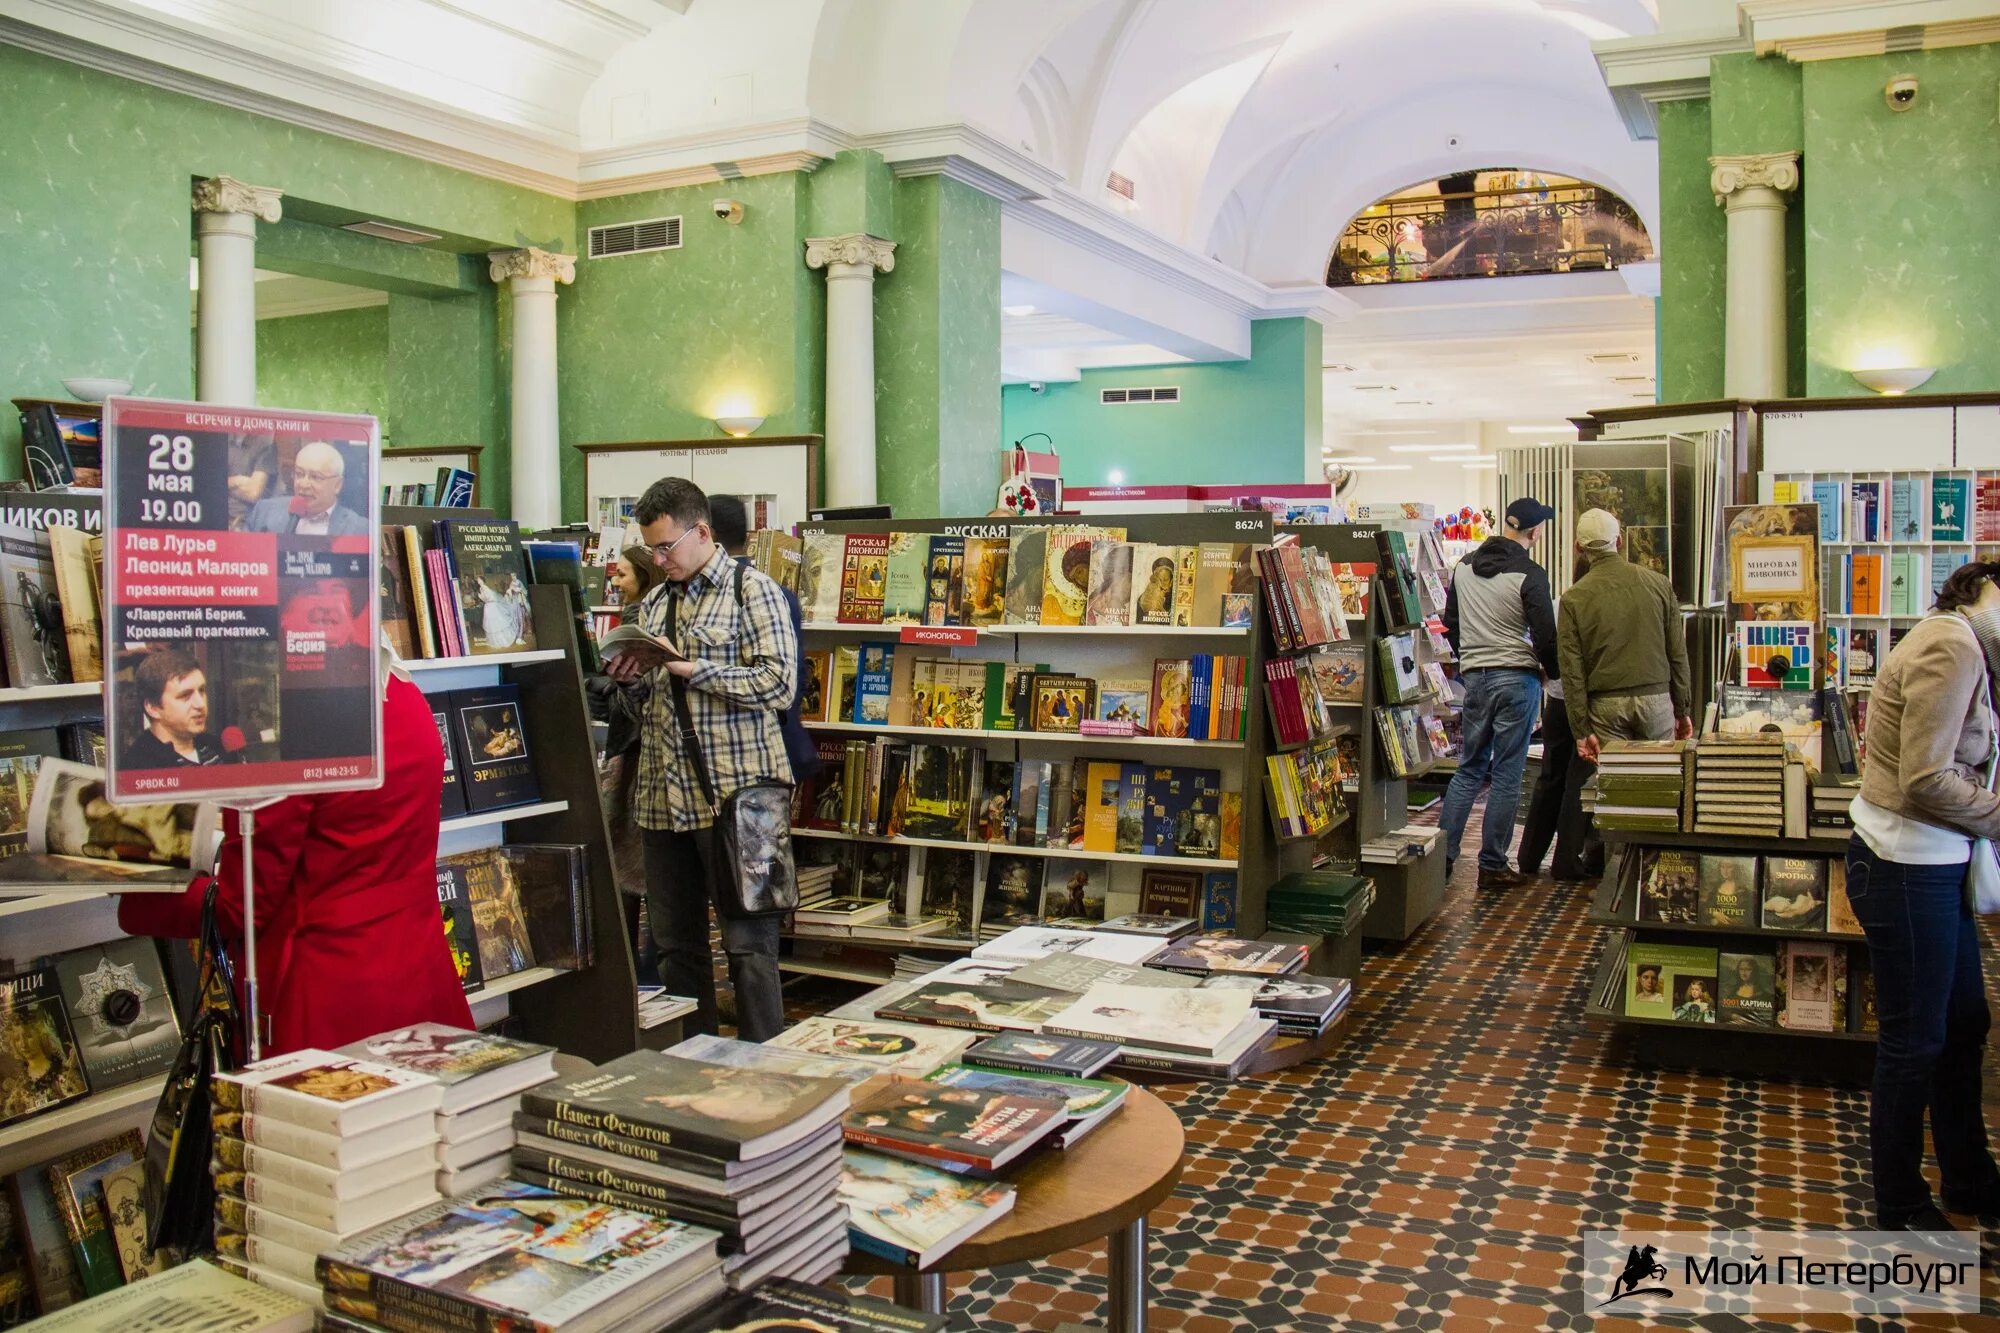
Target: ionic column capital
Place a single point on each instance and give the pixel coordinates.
(226, 194)
(854, 248)
(1731, 173)
(530, 263)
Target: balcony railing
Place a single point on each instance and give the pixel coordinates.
(1489, 234)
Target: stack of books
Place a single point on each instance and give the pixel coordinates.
(1400, 845)
(1301, 1006)
(837, 917)
(1318, 902)
(898, 928)
(815, 884)
(519, 1256)
(902, 1048)
(1640, 785)
(1832, 799)
(657, 1007)
(312, 1148)
(1739, 785)
(746, 1147)
(912, 1214)
(1209, 1033)
(967, 1131)
(196, 1294)
(1087, 1102)
(483, 1076)
(780, 1306)
(1203, 954)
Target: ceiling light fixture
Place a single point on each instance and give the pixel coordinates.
(1539, 430)
(1017, 311)
(1479, 463)
(1379, 467)
(1431, 448)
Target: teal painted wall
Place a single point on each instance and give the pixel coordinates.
(95, 173)
(1237, 421)
(651, 346)
(1903, 255)
(332, 362)
(937, 352)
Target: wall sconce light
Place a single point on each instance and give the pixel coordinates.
(1891, 381)
(739, 426)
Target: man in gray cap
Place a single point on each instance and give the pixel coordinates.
(1622, 645)
(1502, 626)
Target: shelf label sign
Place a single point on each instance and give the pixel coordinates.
(954, 636)
(241, 617)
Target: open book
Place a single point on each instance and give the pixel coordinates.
(78, 840)
(651, 650)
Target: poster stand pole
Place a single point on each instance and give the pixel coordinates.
(246, 826)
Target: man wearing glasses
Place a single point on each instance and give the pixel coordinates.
(313, 509)
(740, 668)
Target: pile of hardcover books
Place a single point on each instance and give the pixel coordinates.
(1399, 845)
(781, 1306)
(1829, 815)
(1639, 785)
(518, 1256)
(1301, 1006)
(483, 1076)
(1739, 785)
(737, 1142)
(1318, 902)
(312, 1148)
(510, 908)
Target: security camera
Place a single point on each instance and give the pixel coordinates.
(1036, 386)
(1901, 92)
(729, 210)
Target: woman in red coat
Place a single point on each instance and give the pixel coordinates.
(349, 939)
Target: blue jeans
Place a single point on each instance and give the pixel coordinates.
(1499, 716)
(1930, 1007)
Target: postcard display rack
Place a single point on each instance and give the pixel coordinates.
(1099, 652)
(590, 1012)
(1436, 556)
(1844, 1048)
(1409, 892)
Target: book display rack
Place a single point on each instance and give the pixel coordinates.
(1411, 889)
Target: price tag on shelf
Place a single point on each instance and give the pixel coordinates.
(940, 636)
(241, 615)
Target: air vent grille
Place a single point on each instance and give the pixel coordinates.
(1123, 186)
(1170, 393)
(635, 238)
(389, 231)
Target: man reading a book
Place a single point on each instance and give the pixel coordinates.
(173, 699)
(737, 670)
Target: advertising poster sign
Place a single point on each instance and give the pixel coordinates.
(239, 597)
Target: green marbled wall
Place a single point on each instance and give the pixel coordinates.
(1692, 259)
(1237, 421)
(854, 193)
(1757, 106)
(1903, 247)
(937, 352)
(332, 362)
(445, 383)
(94, 175)
(652, 346)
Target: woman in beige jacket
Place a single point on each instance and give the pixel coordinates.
(1923, 800)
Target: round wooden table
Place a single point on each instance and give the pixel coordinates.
(1066, 1197)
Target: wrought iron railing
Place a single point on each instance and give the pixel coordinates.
(1489, 234)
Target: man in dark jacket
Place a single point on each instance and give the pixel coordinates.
(731, 522)
(1502, 625)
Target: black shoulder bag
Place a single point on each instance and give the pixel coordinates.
(749, 830)
(179, 1190)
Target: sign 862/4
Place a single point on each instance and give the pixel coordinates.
(169, 471)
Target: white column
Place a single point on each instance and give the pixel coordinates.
(534, 449)
(1751, 187)
(226, 212)
(850, 263)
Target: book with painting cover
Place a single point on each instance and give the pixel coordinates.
(985, 584)
(1840, 918)
(903, 586)
(32, 1021)
(1086, 1102)
(904, 1048)
(1669, 891)
(1131, 834)
(726, 1112)
(1074, 888)
(819, 577)
(1811, 985)
(491, 575)
(941, 779)
(864, 578)
(456, 914)
(910, 1213)
(1125, 701)
(498, 923)
(1155, 568)
(1192, 1021)
(474, 1067)
(1228, 953)
(1108, 600)
(944, 581)
(964, 1130)
(1794, 895)
(996, 1006)
(492, 738)
(1173, 686)
(1728, 889)
(327, 1093)
(1066, 572)
(1672, 982)
(1339, 672)
(1151, 925)
(1041, 1053)
(1748, 987)
(514, 1255)
(551, 882)
(1026, 553)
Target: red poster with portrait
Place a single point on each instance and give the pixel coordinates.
(241, 623)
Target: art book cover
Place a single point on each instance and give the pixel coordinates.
(455, 912)
(1668, 888)
(985, 584)
(719, 1111)
(120, 1010)
(949, 890)
(864, 578)
(1170, 893)
(1670, 981)
(1840, 918)
(491, 572)
(1225, 584)
(1026, 552)
(1075, 889)
(940, 801)
(1775, 654)
(1228, 953)
(450, 1055)
(1951, 501)
(1066, 1057)
(512, 1254)
(994, 1006)
(31, 627)
(1194, 1022)
(1173, 681)
(1749, 989)
(960, 1129)
(1812, 985)
(1154, 570)
(21, 755)
(44, 1066)
(903, 1048)
(1013, 886)
(1125, 701)
(910, 1213)
(779, 1305)
(498, 922)
(1109, 597)
(1339, 672)
(944, 582)
(819, 577)
(1066, 573)
(903, 581)
(1794, 893)
(1728, 890)
(493, 739)
(327, 1093)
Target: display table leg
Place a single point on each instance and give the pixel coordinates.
(1129, 1278)
(920, 1291)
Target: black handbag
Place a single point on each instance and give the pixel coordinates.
(750, 868)
(179, 1190)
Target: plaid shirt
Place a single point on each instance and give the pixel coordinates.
(746, 672)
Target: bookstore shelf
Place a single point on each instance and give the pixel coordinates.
(97, 1106)
(483, 660)
(1098, 631)
(1067, 853)
(887, 946)
(502, 815)
(514, 981)
(814, 967)
(36, 693)
(37, 901)
(946, 734)
(1724, 842)
(1608, 908)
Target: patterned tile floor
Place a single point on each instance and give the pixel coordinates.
(1435, 1172)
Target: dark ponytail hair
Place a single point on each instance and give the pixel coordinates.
(1962, 587)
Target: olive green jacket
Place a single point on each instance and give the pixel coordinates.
(1620, 632)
